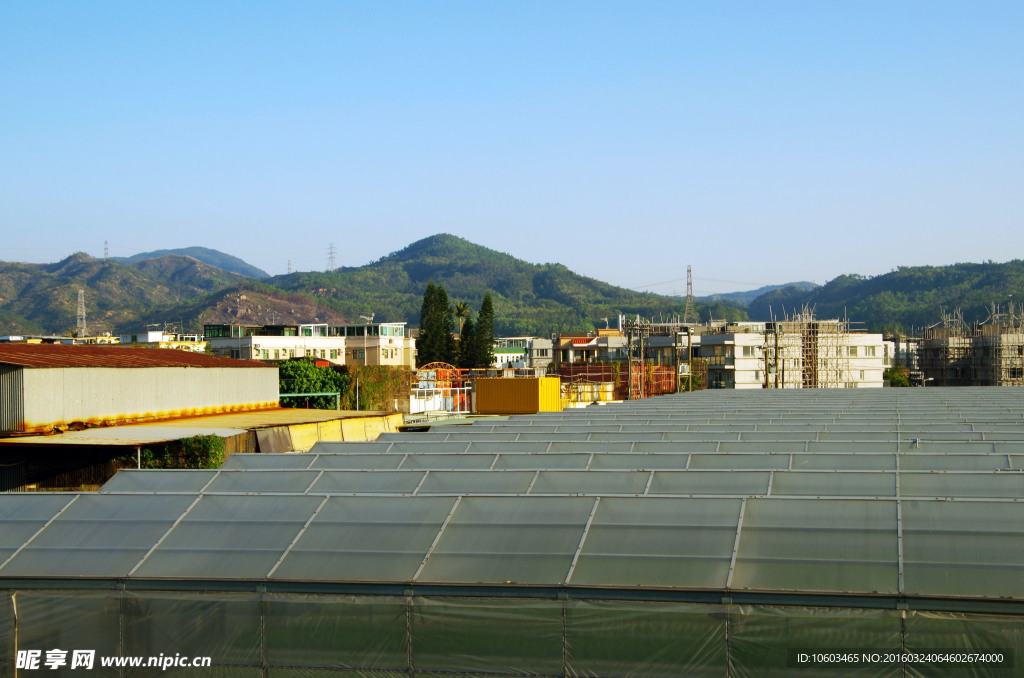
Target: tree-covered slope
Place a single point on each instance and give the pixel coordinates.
(528, 298)
(911, 296)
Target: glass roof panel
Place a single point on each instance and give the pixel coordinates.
(953, 462)
(660, 542)
(267, 461)
(834, 484)
(416, 446)
(476, 482)
(824, 545)
(158, 480)
(499, 540)
(22, 515)
(590, 482)
(370, 482)
(516, 447)
(99, 535)
(537, 462)
(963, 548)
(989, 485)
(355, 462)
(710, 482)
(447, 462)
(640, 462)
(230, 537)
(262, 481)
(366, 539)
(763, 447)
(355, 446)
(750, 462)
(844, 462)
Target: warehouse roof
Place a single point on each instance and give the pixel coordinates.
(87, 355)
(900, 494)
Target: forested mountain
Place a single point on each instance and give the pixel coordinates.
(43, 298)
(529, 299)
(205, 255)
(904, 298)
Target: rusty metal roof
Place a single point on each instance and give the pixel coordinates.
(85, 355)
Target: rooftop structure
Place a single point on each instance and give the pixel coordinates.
(709, 533)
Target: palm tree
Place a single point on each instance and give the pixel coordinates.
(461, 312)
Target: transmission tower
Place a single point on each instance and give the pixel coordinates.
(289, 267)
(106, 250)
(690, 314)
(331, 265)
(82, 329)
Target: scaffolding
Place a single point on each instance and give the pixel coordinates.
(804, 352)
(988, 353)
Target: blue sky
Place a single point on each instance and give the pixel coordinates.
(761, 142)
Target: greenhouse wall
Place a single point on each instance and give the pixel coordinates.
(266, 633)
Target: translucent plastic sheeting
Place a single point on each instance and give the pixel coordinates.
(590, 482)
(98, 535)
(22, 515)
(851, 447)
(968, 548)
(158, 480)
(366, 633)
(602, 447)
(957, 632)
(521, 540)
(357, 461)
(388, 482)
(834, 484)
(827, 545)
(414, 445)
(761, 639)
(367, 539)
(670, 542)
(763, 447)
(230, 537)
(710, 482)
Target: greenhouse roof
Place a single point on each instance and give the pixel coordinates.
(905, 493)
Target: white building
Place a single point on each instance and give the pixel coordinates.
(522, 352)
(365, 344)
(793, 354)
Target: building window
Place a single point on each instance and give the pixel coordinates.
(869, 351)
(265, 354)
(1016, 373)
(853, 351)
(749, 351)
(334, 354)
(277, 354)
(862, 377)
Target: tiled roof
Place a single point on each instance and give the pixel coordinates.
(65, 355)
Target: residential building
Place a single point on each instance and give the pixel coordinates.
(160, 339)
(523, 352)
(980, 355)
(362, 344)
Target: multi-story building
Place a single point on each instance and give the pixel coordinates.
(981, 355)
(160, 339)
(522, 352)
(363, 344)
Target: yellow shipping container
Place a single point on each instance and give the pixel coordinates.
(521, 395)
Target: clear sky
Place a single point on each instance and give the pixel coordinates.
(761, 142)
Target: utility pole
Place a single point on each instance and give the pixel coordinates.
(690, 314)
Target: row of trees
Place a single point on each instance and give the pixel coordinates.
(437, 343)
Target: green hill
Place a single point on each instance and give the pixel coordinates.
(905, 298)
(205, 255)
(529, 299)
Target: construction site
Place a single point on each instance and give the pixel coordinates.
(987, 353)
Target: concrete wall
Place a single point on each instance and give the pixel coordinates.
(61, 395)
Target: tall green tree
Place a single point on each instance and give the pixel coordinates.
(461, 313)
(436, 342)
(302, 376)
(467, 344)
(485, 333)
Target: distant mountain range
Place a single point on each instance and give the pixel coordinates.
(205, 255)
(182, 287)
(745, 298)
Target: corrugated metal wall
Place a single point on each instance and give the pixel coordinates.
(12, 399)
(69, 394)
